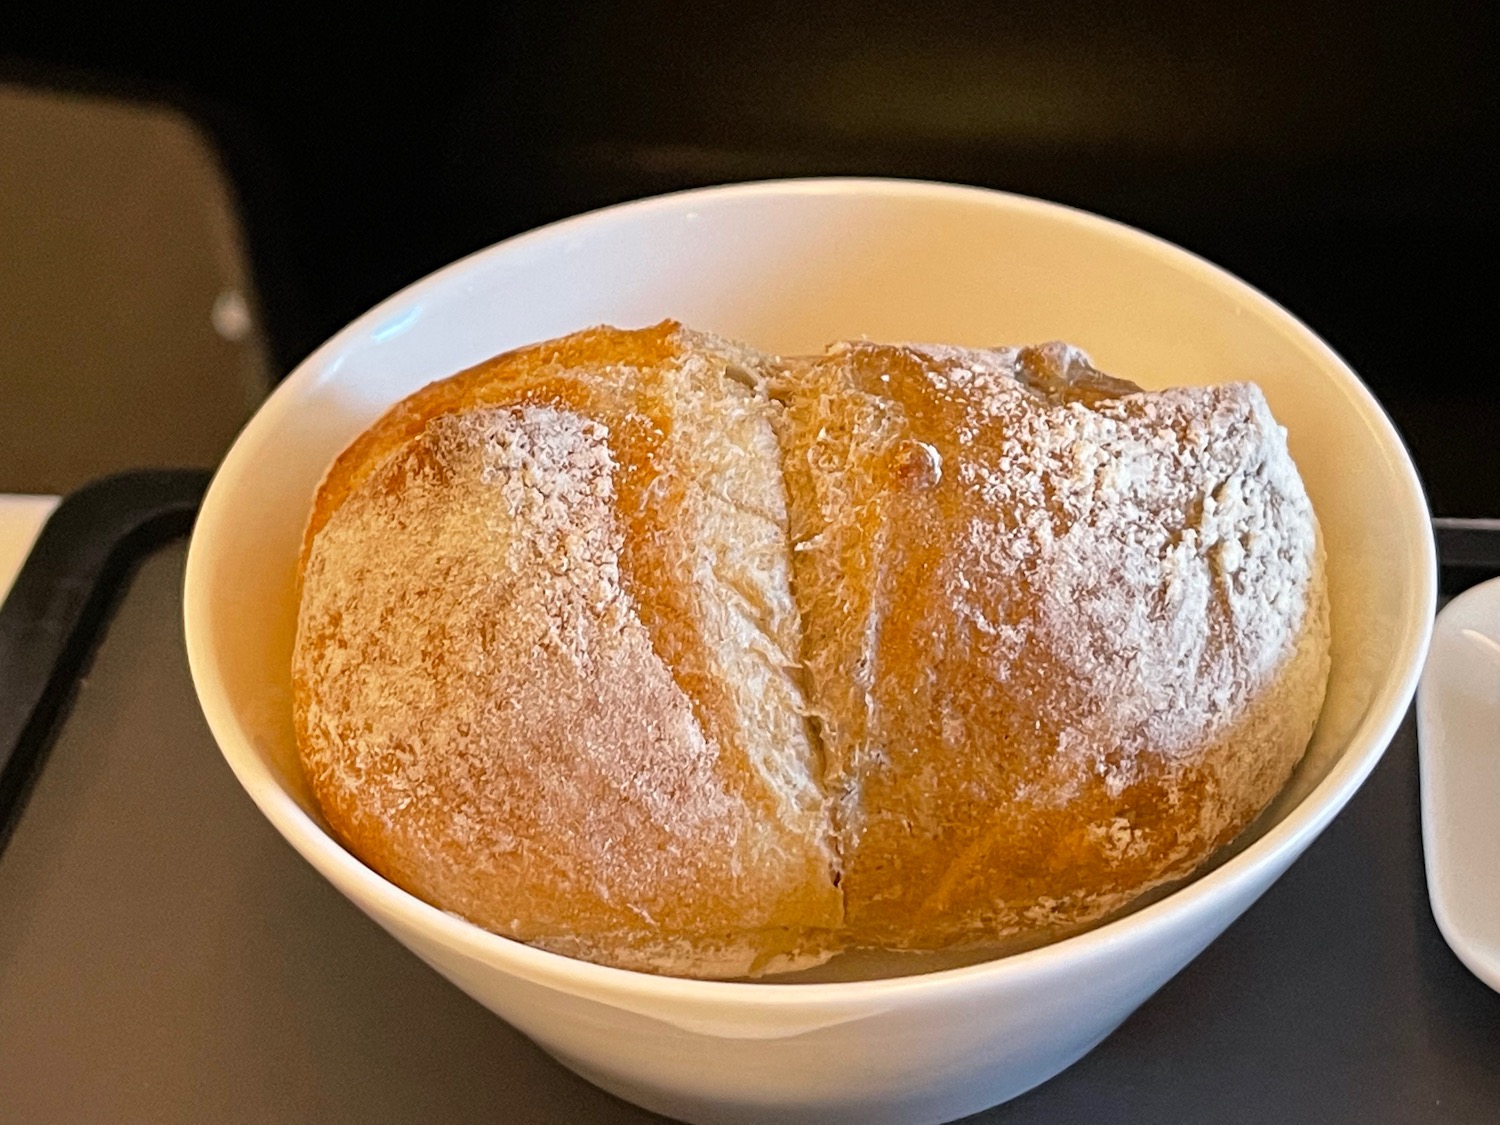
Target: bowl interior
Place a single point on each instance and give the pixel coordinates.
(790, 267)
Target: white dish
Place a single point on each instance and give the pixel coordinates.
(790, 266)
(1458, 732)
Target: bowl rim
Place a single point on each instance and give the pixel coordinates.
(1287, 837)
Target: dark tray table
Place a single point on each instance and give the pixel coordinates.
(166, 957)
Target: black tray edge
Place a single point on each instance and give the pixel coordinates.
(61, 600)
(1468, 551)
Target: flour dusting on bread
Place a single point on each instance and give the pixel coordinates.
(651, 650)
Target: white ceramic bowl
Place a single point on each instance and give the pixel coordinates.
(790, 266)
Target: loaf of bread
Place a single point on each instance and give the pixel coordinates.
(648, 649)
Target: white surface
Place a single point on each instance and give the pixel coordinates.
(1458, 725)
(792, 266)
(21, 519)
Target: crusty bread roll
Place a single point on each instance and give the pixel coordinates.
(1064, 639)
(645, 648)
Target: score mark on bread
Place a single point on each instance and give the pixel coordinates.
(648, 649)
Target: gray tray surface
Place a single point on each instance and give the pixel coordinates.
(166, 957)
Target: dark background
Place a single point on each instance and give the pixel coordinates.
(1335, 155)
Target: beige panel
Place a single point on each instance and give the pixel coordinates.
(126, 332)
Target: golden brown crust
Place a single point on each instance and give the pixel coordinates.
(1043, 685)
(565, 617)
(534, 373)
(543, 662)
